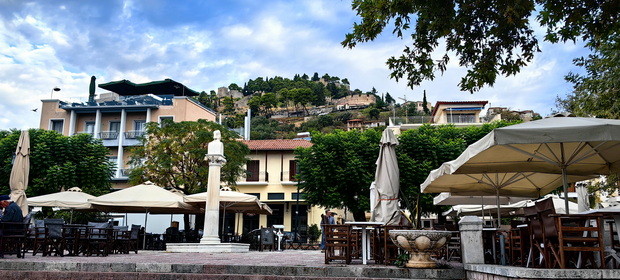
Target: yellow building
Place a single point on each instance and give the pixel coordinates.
(118, 117)
(271, 170)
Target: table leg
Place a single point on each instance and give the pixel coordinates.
(364, 247)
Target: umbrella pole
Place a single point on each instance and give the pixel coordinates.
(71, 219)
(564, 179)
(499, 215)
(146, 217)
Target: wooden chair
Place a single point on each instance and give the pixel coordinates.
(53, 237)
(120, 240)
(37, 237)
(551, 252)
(518, 241)
(454, 244)
(13, 238)
(99, 241)
(580, 237)
(337, 243)
(133, 238)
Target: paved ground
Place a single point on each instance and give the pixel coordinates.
(288, 264)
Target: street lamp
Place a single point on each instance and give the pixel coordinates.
(54, 89)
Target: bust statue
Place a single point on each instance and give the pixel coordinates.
(216, 147)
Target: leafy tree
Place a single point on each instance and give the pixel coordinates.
(487, 37)
(58, 162)
(173, 155)
(315, 77)
(234, 86)
(338, 169)
(229, 105)
(597, 92)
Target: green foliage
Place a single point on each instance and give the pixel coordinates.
(313, 233)
(337, 170)
(173, 156)
(264, 128)
(488, 37)
(597, 92)
(58, 162)
(401, 259)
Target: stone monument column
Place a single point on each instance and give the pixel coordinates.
(215, 156)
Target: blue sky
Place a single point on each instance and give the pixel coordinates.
(209, 44)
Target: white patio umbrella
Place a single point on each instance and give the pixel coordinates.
(387, 181)
(73, 199)
(20, 171)
(574, 148)
(145, 198)
(231, 201)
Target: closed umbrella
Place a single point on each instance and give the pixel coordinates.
(19, 173)
(387, 182)
(572, 148)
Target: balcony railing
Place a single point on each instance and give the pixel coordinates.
(262, 176)
(133, 134)
(109, 135)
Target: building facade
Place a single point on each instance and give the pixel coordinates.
(457, 112)
(271, 171)
(119, 117)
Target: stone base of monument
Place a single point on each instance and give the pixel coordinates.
(208, 248)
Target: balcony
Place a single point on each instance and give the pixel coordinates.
(262, 178)
(134, 134)
(108, 135)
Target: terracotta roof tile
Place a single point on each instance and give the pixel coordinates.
(276, 145)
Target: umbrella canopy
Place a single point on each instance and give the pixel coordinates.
(20, 171)
(232, 201)
(147, 197)
(387, 181)
(575, 148)
(73, 198)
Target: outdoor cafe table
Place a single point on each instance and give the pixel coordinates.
(365, 226)
(614, 213)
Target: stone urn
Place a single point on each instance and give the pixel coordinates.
(420, 244)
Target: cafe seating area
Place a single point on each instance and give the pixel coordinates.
(54, 237)
(544, 239)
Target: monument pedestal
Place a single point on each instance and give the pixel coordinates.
(208, 247)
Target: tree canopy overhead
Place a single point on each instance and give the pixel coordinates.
(489, 37)
(173, 155)
(58, 162)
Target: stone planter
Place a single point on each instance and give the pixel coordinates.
(420, 244)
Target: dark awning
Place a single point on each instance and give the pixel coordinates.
(464, 109)
(167, 86)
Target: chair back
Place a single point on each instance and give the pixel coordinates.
(135, 231)
(545, 205)
(99, 225)
(54, 227)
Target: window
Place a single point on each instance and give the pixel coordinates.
(253, 170)
(275, 196)
(461, 118)
(89, 128)
(162, 120)
(57, 125)
(139, 125)
(292, 170)
(301, 196)
(115, 126)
